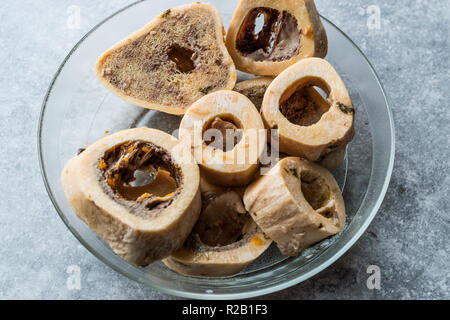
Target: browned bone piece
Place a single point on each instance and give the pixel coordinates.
(236, 164)
(265, 37)
(314, 129)
(224, 240)
(307, 99)
(254, 89)
(297, 204)
(136, 191)
(171, 62)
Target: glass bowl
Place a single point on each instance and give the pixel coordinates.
(78, 110)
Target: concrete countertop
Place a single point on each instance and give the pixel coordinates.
(408, 239)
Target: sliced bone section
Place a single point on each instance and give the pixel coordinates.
(171, 62)
(297, 204)
(137, 192)
(266, 37)
(224, 240)
(278, 40)
(305, 100)
(308, 125)
(226, 110)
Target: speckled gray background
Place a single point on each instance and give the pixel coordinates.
(408, 240)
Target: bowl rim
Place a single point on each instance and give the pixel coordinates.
(225, 296)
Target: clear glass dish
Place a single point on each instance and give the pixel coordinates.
(78, 110)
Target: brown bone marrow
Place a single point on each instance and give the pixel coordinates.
(278, 40)
(224, 240)
(117, 170)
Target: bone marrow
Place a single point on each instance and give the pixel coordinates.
(140, 176)
(297, 204)
(133, 189)
(171, 62)
(278, 40)
(308, 125)
(306, 107)
(226, 135)
(265, 37)
(302, 107)
(224, 240)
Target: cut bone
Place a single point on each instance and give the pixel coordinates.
(138, 231)
(255, 89)
(333, 129)
(291, 30)
(236, 166)
(224, 240)
(171, 62)
(297, 204)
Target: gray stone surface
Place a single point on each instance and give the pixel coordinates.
(408, 240)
